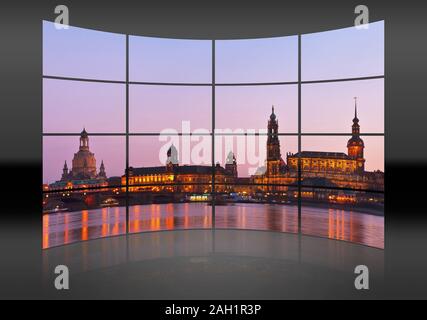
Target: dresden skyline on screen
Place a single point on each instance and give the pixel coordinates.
(100, 107)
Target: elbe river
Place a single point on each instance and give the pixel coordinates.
(67, 227)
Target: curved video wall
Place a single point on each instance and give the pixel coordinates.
(151, 134)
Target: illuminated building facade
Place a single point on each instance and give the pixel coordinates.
(173, 177)
(318, 168)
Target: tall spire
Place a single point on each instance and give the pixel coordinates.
(272, 116)
(355, 128)
(355, 144)
(355, 107)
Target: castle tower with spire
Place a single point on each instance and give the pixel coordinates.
(273, 146)
(355, 145)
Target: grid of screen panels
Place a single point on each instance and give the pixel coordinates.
(125, 116)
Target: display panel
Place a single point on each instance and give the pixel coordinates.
(169, 182)
(343, 191)
(169, 109)
(245, 109)
(371, 151)
(82, 156)
(82, 198)
(247, 154)
(68, 106)
(105, 216)
(331, 107)
(83, 53)
(169, 60)
(344, 53)
(216, 134)
(355, 216)
(257, 60)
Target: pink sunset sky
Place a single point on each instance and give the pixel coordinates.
(68, 106)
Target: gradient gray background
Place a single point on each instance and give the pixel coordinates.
(20, 105)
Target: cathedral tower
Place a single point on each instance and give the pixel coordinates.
(273, 146)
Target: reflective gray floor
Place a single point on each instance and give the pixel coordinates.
(220, 264)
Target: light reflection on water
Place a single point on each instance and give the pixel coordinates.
(66, 227)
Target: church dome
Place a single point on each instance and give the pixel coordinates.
(84, 164)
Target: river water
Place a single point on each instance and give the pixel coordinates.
(67, 227)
